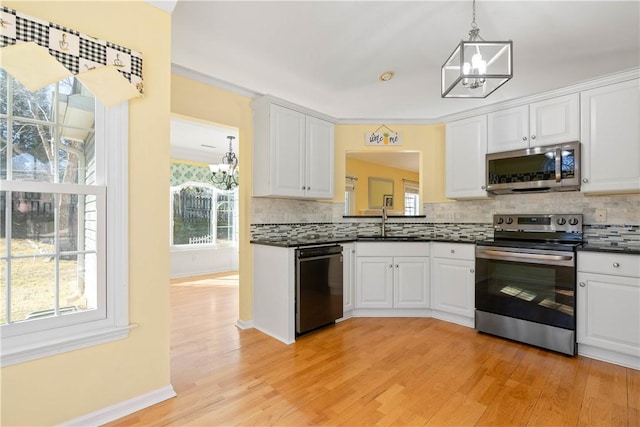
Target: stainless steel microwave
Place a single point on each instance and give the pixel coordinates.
(536, 169)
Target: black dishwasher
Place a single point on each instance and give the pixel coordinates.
(319, 292)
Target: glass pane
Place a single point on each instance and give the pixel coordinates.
(3, 149)
(32, 152)
(3, 231)
(3, 91)
(77, 283)
(32, 287)
(3, 291)
(36, 105)
(69, 236)
(32, 223)
(76, 158)
(192, 213)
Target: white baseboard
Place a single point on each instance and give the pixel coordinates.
(244, 324)
(119, 410)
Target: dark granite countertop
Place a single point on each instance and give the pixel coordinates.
(608, 247)
(292, 243)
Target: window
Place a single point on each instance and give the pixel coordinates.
(350, 195)
(411, 198)
(54, 206)
(203, 215)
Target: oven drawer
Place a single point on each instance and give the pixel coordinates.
(462, 251)
(608, 263)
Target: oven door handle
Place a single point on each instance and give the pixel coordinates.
(544, 257)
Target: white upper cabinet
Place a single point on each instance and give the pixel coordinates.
(610, 138)
(466, 148)
(319, 158)
(293, 153)
(545, 122)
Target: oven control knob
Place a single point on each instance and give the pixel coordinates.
(561, 221)
(500, 220)
(509, 220)
(573, 221)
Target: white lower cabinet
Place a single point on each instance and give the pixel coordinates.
(392, 276)
(608, 307)
(453, 282)
(348, 277)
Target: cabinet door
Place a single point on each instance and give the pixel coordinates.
(608, 312)
(554, 121)
(287, 136)
(466, 149)
(348, 274)
(411, 282)
(610, 135)
(374, 282)
(508, 129)
(453, 286)
(319, 158)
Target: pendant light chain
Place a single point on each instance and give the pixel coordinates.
(473, 21)
(474, 32)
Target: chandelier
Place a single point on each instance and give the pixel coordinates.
(476, 67)
(225, 175)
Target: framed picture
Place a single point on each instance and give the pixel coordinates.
(387, 200)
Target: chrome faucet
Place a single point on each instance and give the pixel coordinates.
(384, 220)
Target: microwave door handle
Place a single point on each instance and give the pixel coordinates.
(558, 164)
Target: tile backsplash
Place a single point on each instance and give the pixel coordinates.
(298, 218)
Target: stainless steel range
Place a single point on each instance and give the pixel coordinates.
(526, 280)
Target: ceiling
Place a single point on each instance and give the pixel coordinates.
(327, 56)
(201, 142)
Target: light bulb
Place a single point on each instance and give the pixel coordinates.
(478, 64)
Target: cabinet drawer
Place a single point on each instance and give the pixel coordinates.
(607, 263)
(392, 249)
(463, 251)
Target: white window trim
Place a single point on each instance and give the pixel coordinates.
(112, 124)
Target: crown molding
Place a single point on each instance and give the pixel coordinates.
(608, 79)
(204, 78)
(257, 97)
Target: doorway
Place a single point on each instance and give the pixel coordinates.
(204, 226)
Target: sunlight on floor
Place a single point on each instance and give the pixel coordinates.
(219, 279)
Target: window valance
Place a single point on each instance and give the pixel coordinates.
(38, 53)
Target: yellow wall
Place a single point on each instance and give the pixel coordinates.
(63, 387)
(429, 140)
(195, 100)
(363, 170)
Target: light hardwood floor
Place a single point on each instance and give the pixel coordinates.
(373, 371)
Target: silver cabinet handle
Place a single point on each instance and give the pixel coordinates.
(304, 188)
(616, 265)
(390, 265)
(453, 251)
(396, 265)
(582, 284)
(472, 271)
(483, 187)
(524, 138)
(585, 180)
(533, 137)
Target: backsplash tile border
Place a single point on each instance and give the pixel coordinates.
(614, 235)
